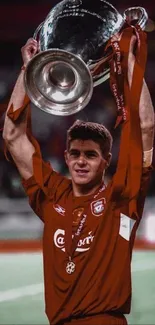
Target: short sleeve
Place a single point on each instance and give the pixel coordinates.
(37, 197)
(40, 196)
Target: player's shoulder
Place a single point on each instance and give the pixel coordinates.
(58, 184)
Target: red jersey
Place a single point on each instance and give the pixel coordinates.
(99, 291)
(101, 282)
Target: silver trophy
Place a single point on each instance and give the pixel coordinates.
(72, 41)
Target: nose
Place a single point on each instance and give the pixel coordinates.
(81, 160)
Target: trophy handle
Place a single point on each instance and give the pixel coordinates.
(36, 34)
(136, 15)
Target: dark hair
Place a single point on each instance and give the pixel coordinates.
(90, 131)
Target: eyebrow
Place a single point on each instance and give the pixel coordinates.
(85, 151)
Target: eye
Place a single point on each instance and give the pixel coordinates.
(91, 154)
(74, 153)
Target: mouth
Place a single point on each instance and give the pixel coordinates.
(81, 172)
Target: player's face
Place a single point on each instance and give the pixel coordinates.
(86, 163)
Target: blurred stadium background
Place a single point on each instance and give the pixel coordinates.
(21, 275)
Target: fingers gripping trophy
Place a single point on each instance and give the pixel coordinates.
(67, 48)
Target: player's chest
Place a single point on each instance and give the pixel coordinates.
(60, 212)
(57, 219)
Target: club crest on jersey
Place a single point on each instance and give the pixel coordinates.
(97, 207)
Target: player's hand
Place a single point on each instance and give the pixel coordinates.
(29, 50)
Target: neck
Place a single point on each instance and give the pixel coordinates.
(79, 190)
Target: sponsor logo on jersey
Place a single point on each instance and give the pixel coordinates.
(82, 246)
(59, 209)
(97, 207)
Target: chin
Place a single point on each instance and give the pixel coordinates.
(81, 181)
(84, 181)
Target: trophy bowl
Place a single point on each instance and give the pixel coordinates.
(72, 41)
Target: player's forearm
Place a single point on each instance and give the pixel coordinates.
(146, 110)
(13, 129)
(147, 119)
(18, 93)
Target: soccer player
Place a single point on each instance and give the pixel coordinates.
(88, 232)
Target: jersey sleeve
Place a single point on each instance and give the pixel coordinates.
(40, 195)
(45, 185)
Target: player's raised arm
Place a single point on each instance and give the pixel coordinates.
(14, 132)
(146, 112)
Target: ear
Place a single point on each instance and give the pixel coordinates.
(66, 156)
(108, 159)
